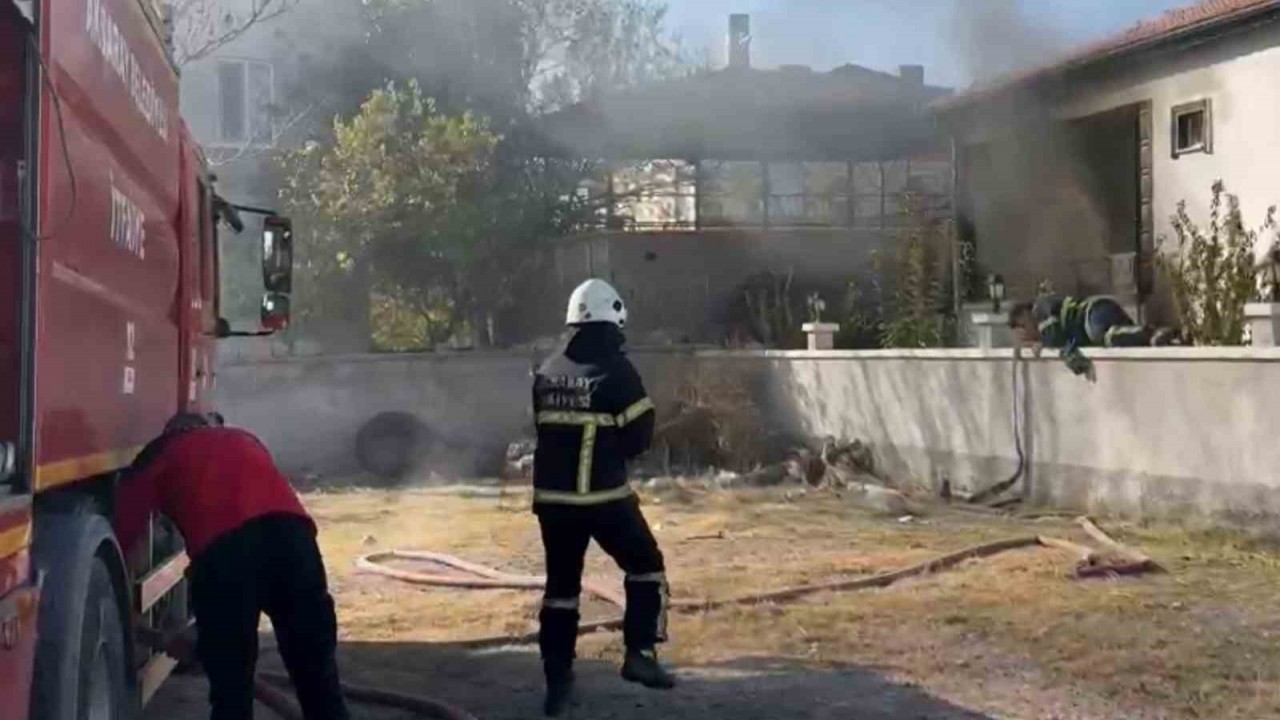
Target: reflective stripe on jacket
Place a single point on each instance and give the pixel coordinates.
(592, 415)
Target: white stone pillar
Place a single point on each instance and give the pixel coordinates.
(1264, 323)
(822, 336)
(992, 329)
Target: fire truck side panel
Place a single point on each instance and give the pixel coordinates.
(109, 309)
(11, 131)
(18, 599)
(18, 602)
(200, 274)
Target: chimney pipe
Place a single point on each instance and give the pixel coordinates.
(913, 74)
(740, 41)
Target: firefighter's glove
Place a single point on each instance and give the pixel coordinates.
(1079, 365)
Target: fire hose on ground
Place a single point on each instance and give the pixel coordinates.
(1089, 564)
(479, 577)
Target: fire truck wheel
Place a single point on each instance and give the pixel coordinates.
(104, 693)
(83, 659)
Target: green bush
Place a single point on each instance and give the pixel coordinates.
(1212, 273)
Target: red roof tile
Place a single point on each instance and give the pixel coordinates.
(1204, 15)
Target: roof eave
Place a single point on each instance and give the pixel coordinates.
(961, 101)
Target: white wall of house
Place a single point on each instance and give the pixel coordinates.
(1235, 72)
(1238, 75)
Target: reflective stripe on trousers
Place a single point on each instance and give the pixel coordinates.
(664, 600)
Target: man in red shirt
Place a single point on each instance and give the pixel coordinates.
(253, 550)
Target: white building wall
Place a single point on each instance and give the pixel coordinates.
(1240, 75)
(1162, 432)
(310, 28)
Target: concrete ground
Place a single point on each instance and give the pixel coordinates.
(506, 686)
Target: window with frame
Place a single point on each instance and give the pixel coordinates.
(246, 91)
(1192, 128)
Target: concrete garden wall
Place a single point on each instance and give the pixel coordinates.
(1171, 431)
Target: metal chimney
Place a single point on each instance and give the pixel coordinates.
(740, 41)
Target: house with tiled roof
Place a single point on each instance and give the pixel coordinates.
(1068, 174)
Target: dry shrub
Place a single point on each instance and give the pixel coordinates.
(713, 420)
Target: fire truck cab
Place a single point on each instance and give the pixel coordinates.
(109, 312)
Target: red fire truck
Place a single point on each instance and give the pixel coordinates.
(108, 316)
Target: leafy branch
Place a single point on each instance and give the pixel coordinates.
(1212, 273)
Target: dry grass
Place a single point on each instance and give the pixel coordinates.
(1013, 635)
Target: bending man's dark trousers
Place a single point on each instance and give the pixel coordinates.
(270, 565)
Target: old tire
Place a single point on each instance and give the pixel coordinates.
(83, 660)
(392, 445)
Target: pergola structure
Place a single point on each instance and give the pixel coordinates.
(744, 147)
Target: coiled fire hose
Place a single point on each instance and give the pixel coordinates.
(180, 647)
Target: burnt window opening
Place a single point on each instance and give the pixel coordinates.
(1192, 127)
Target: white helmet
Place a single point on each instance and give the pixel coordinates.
(596, 301)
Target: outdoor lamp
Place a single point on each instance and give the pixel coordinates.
(995, 290)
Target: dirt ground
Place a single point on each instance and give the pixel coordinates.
(1007, 637)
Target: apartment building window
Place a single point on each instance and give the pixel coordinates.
(245, 97)
(1192, 128)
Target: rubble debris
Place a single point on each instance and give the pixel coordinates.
(853, 456)
(1091, 563)
(518, 464)
(771, 476)
(880, 500)
(1084, 555)
(1132, 562)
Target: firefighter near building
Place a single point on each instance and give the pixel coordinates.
(1068, 324)
(593, 415)
(108, 319)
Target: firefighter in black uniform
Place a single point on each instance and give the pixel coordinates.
(593, 415)
(1069, 323)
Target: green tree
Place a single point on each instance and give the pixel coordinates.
(423, 238)
(388, 205)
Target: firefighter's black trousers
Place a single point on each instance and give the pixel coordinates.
(269, 565)
(621, 531)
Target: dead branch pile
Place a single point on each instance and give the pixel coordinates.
(711, 421)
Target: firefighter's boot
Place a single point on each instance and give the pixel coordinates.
(644, 626)
(642, 666)
(560, 690)
(557, 640)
